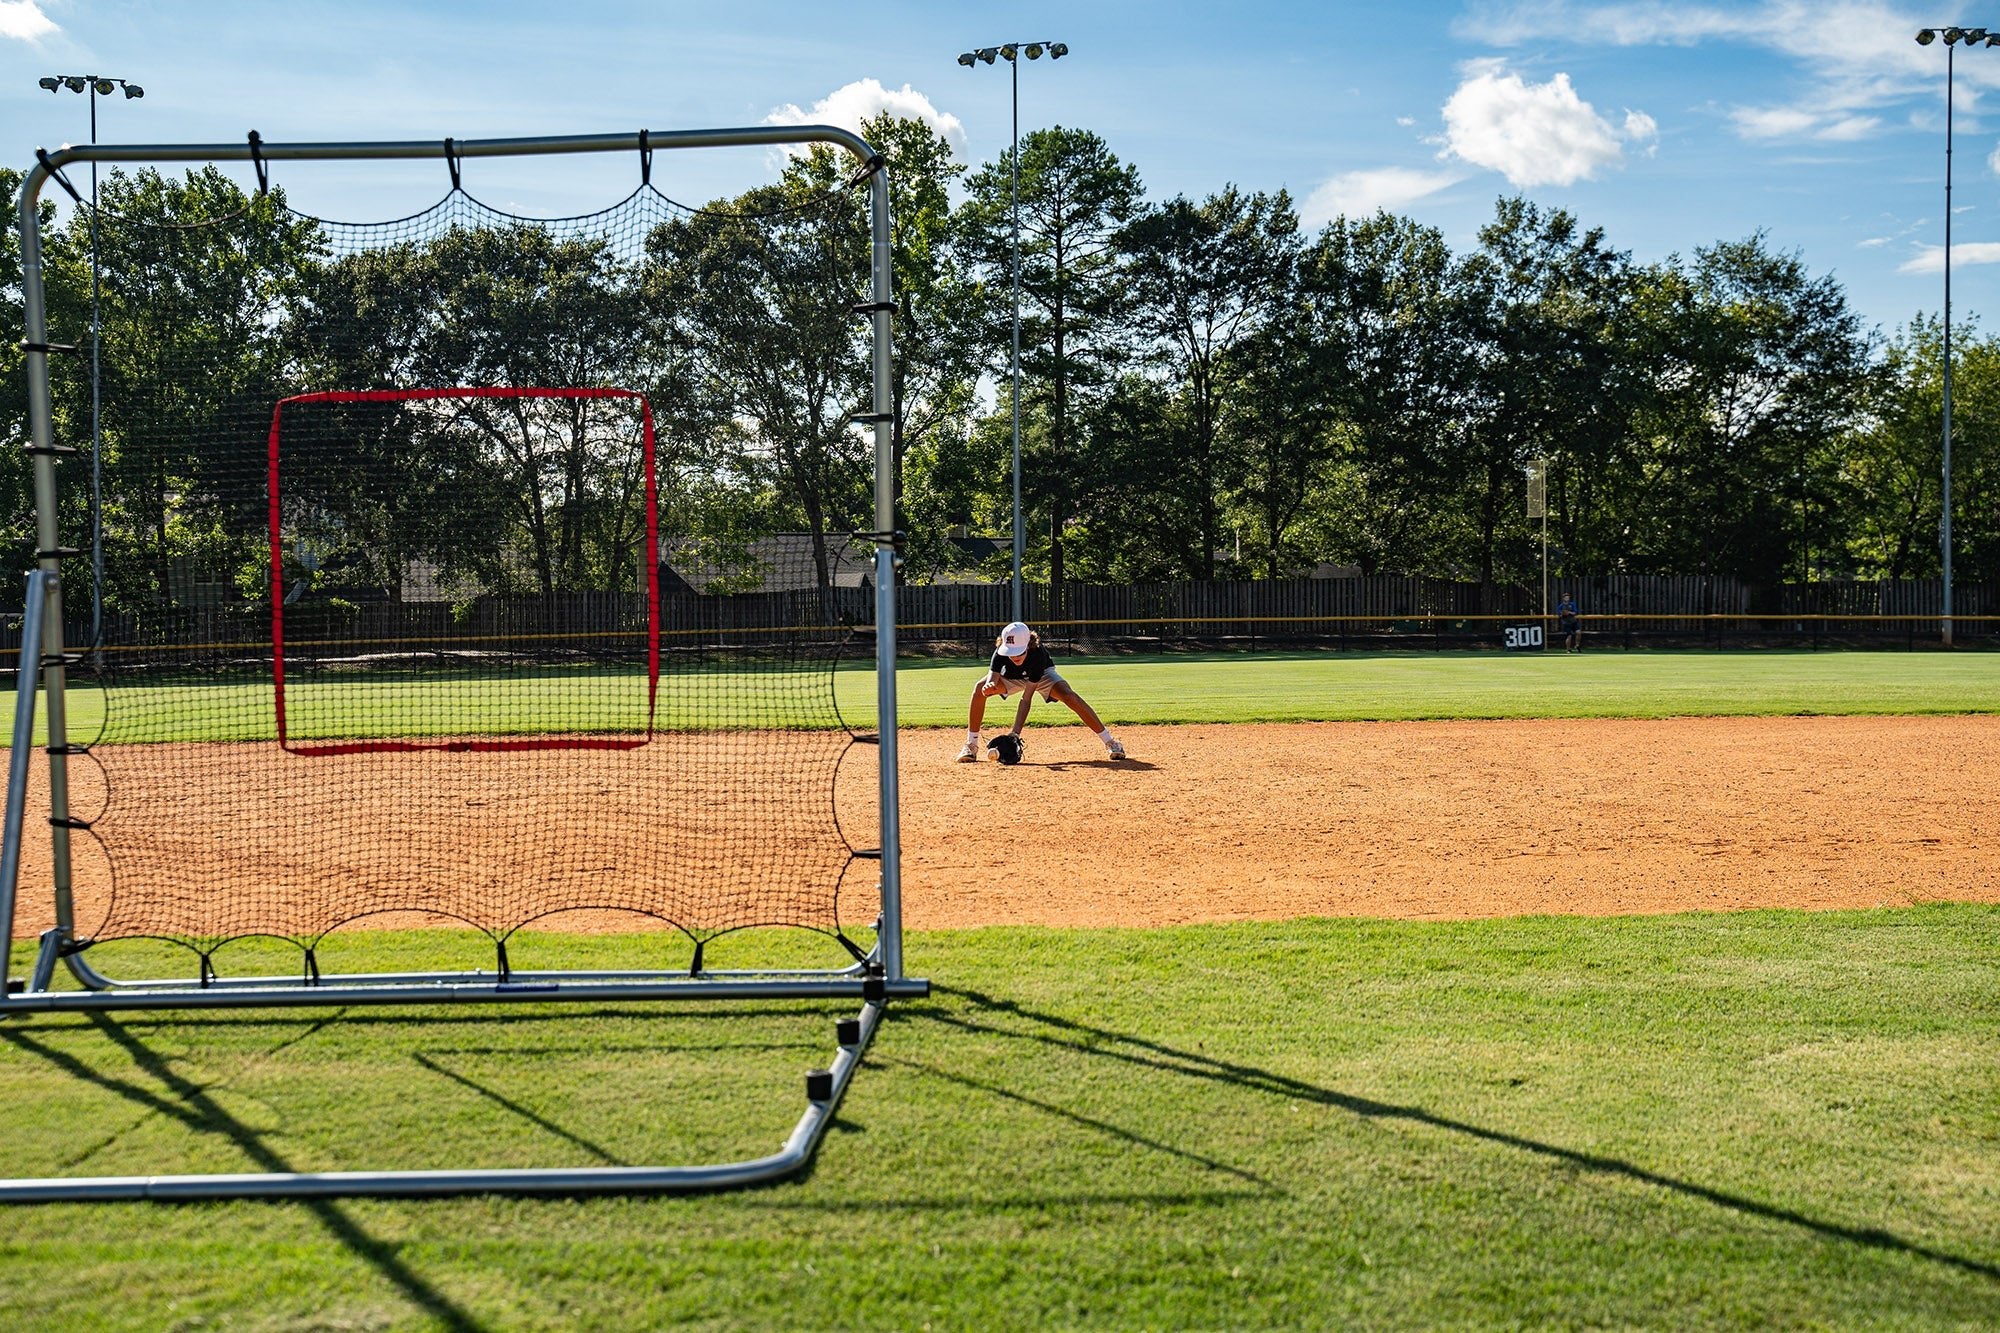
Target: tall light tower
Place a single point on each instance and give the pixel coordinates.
(94, 86)
(1953, 39)
(1011, 53)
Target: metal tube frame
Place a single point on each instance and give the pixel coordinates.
(877, 979)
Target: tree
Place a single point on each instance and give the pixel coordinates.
(764, 286)
(1760, 367)
(1075, 196)
(1207, 280)
(1391, 319)
(939, 340)
(1556, 379)
(478, 485)
(195, 278)
(1894, 459)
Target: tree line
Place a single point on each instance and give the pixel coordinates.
(1208, 390)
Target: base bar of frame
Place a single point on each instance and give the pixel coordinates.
(532, 992)
(788, 1160)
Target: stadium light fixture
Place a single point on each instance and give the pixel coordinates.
(96, 85)
(1010, 50)
(1953, 38)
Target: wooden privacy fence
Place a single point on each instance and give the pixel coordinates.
(1382, 611)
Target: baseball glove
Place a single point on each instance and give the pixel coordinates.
(1008, 748)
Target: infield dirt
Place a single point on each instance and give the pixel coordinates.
(1416, 820)
(1453, 820)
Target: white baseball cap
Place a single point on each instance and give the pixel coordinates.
(1014, 639)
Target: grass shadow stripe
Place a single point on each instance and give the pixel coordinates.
(515, 1108)
(1091, 1123)
(191, 1104)
(1170, 1060)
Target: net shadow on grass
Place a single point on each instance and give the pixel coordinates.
(1074, 1037)
(515, 1108)
(188, 1103)
(1096, 1125)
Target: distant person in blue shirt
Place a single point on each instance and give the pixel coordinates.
(1022, 666)
(1569, 626)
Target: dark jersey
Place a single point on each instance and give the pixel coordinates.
(1031, 668)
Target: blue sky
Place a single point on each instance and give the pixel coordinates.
(1669, 125)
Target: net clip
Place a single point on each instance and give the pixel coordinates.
(257, 161)
(69, 822)
(451, 160)
(645, 161)
(50, 450)
(868, 169)
(42, 156)
(893, 539)
(50, 349)
(873, 307)
(872, 418)
(58, 553)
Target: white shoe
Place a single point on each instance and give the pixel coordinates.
(1115, 749)
(969, 753)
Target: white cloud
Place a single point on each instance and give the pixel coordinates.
(1772, 122)
(24, 21)
(850, 104)
(1358, 194)
(1533, 134)
(1930, 258)
(1851, 56)
(1852, 127)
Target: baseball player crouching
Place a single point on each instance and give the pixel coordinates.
(1022, 666)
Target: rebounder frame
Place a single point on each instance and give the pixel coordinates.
(874, 980)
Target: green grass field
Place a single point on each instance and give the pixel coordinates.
(1342, 687)
(1173, 688)
(1752, 1120)
(1749, 1120)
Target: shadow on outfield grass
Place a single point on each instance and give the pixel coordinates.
(1084, 1039)
(180, 1099)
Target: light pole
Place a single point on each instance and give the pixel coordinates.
(1010, 52)
(94, 86)
(1953, 38)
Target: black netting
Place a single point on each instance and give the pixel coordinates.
(447, 632)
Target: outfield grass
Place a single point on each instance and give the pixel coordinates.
(1760, 1119)
(1339, 687)
(1141, 690)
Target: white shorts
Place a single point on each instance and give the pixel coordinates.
(1044, 687)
